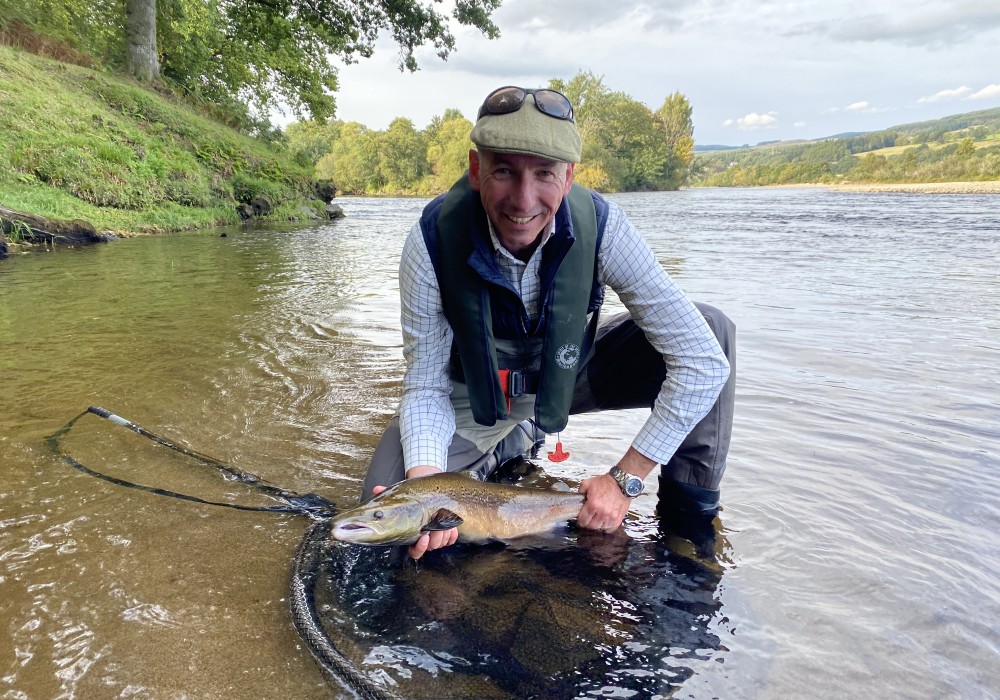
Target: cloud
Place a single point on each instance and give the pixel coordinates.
(866, 107)
(584, 15)
(948, 23)
(799, 125)
(946, 95)
(753, 121)
(986, 93)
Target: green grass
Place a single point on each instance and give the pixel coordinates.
(80, 144)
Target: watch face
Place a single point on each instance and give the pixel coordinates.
(633, 487)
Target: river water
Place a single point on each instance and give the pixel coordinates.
(857, 554)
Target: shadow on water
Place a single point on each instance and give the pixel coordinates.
(633, 613)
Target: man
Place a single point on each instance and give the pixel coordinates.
(501, 282)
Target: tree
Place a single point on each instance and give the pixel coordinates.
(448, 147)
(352, 163)
(402, 156)
(674, 118)
(250, 55)
(269, 52)
(141, 59)
(626, 146)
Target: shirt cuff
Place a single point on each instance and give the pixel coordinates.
(657, 441)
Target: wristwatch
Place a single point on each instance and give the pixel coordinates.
(630, 484)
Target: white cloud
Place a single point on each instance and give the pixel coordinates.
(944, 24)
(910, 50)
(946, 95)
(799, 125)
(986, 93)
(753, 121)
(858, 106)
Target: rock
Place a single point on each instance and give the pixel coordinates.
(334, 211)
(326, 190)
(308, 212)
(261, 206)
(245, 211)
(37, 229)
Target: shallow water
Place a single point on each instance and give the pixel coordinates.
(858, 556)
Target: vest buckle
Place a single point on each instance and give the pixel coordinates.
(512, 383)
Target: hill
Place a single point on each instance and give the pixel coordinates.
(76, 143)
(961, 147)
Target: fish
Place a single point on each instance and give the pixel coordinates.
(482, 511)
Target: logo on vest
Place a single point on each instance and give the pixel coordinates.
(568, 355)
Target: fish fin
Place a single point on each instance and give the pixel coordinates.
(444, 519)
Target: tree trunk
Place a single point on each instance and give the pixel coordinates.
(140, 40)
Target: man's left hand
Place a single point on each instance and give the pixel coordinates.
(606, 505)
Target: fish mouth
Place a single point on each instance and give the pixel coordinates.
(351, 531)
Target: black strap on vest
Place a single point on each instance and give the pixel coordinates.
(466, 299)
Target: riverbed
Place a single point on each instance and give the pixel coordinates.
(858, 552)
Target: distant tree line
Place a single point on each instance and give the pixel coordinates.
(626, 146)
(958, 148)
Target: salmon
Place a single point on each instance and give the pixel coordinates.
(481, 511)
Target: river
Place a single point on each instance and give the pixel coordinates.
(858, 552)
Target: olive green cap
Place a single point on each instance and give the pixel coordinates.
(530, 132)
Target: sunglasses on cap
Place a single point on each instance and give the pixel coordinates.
(510, 99)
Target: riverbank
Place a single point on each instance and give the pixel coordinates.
(982, 187)
(79, 145)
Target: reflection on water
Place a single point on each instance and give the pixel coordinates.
(859, 554)
(630, 613)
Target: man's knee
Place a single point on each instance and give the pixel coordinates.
(386, 465)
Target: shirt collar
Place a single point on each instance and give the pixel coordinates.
(500, 250)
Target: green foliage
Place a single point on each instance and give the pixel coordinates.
(448, 147)
(962, 147)
(402, 160)
(241, 60)
(627, 146)
(80, 144)
(399, 160)
(352, 163)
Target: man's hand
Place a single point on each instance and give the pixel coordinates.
(606, 505)
(429, 540)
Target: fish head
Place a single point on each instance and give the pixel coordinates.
(395, 516)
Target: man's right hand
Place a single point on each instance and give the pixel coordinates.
(429, 540)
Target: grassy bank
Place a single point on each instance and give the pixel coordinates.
(81, 144)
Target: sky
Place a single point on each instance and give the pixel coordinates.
(753, 71)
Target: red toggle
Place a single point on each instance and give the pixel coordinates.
(558, 455)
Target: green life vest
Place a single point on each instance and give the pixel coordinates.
(466, 298)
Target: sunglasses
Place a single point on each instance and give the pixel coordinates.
(510, 99)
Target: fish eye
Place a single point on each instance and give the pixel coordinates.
(378, 515)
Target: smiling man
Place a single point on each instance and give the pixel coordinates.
(501, 285)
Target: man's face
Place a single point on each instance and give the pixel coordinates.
(520, 193)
